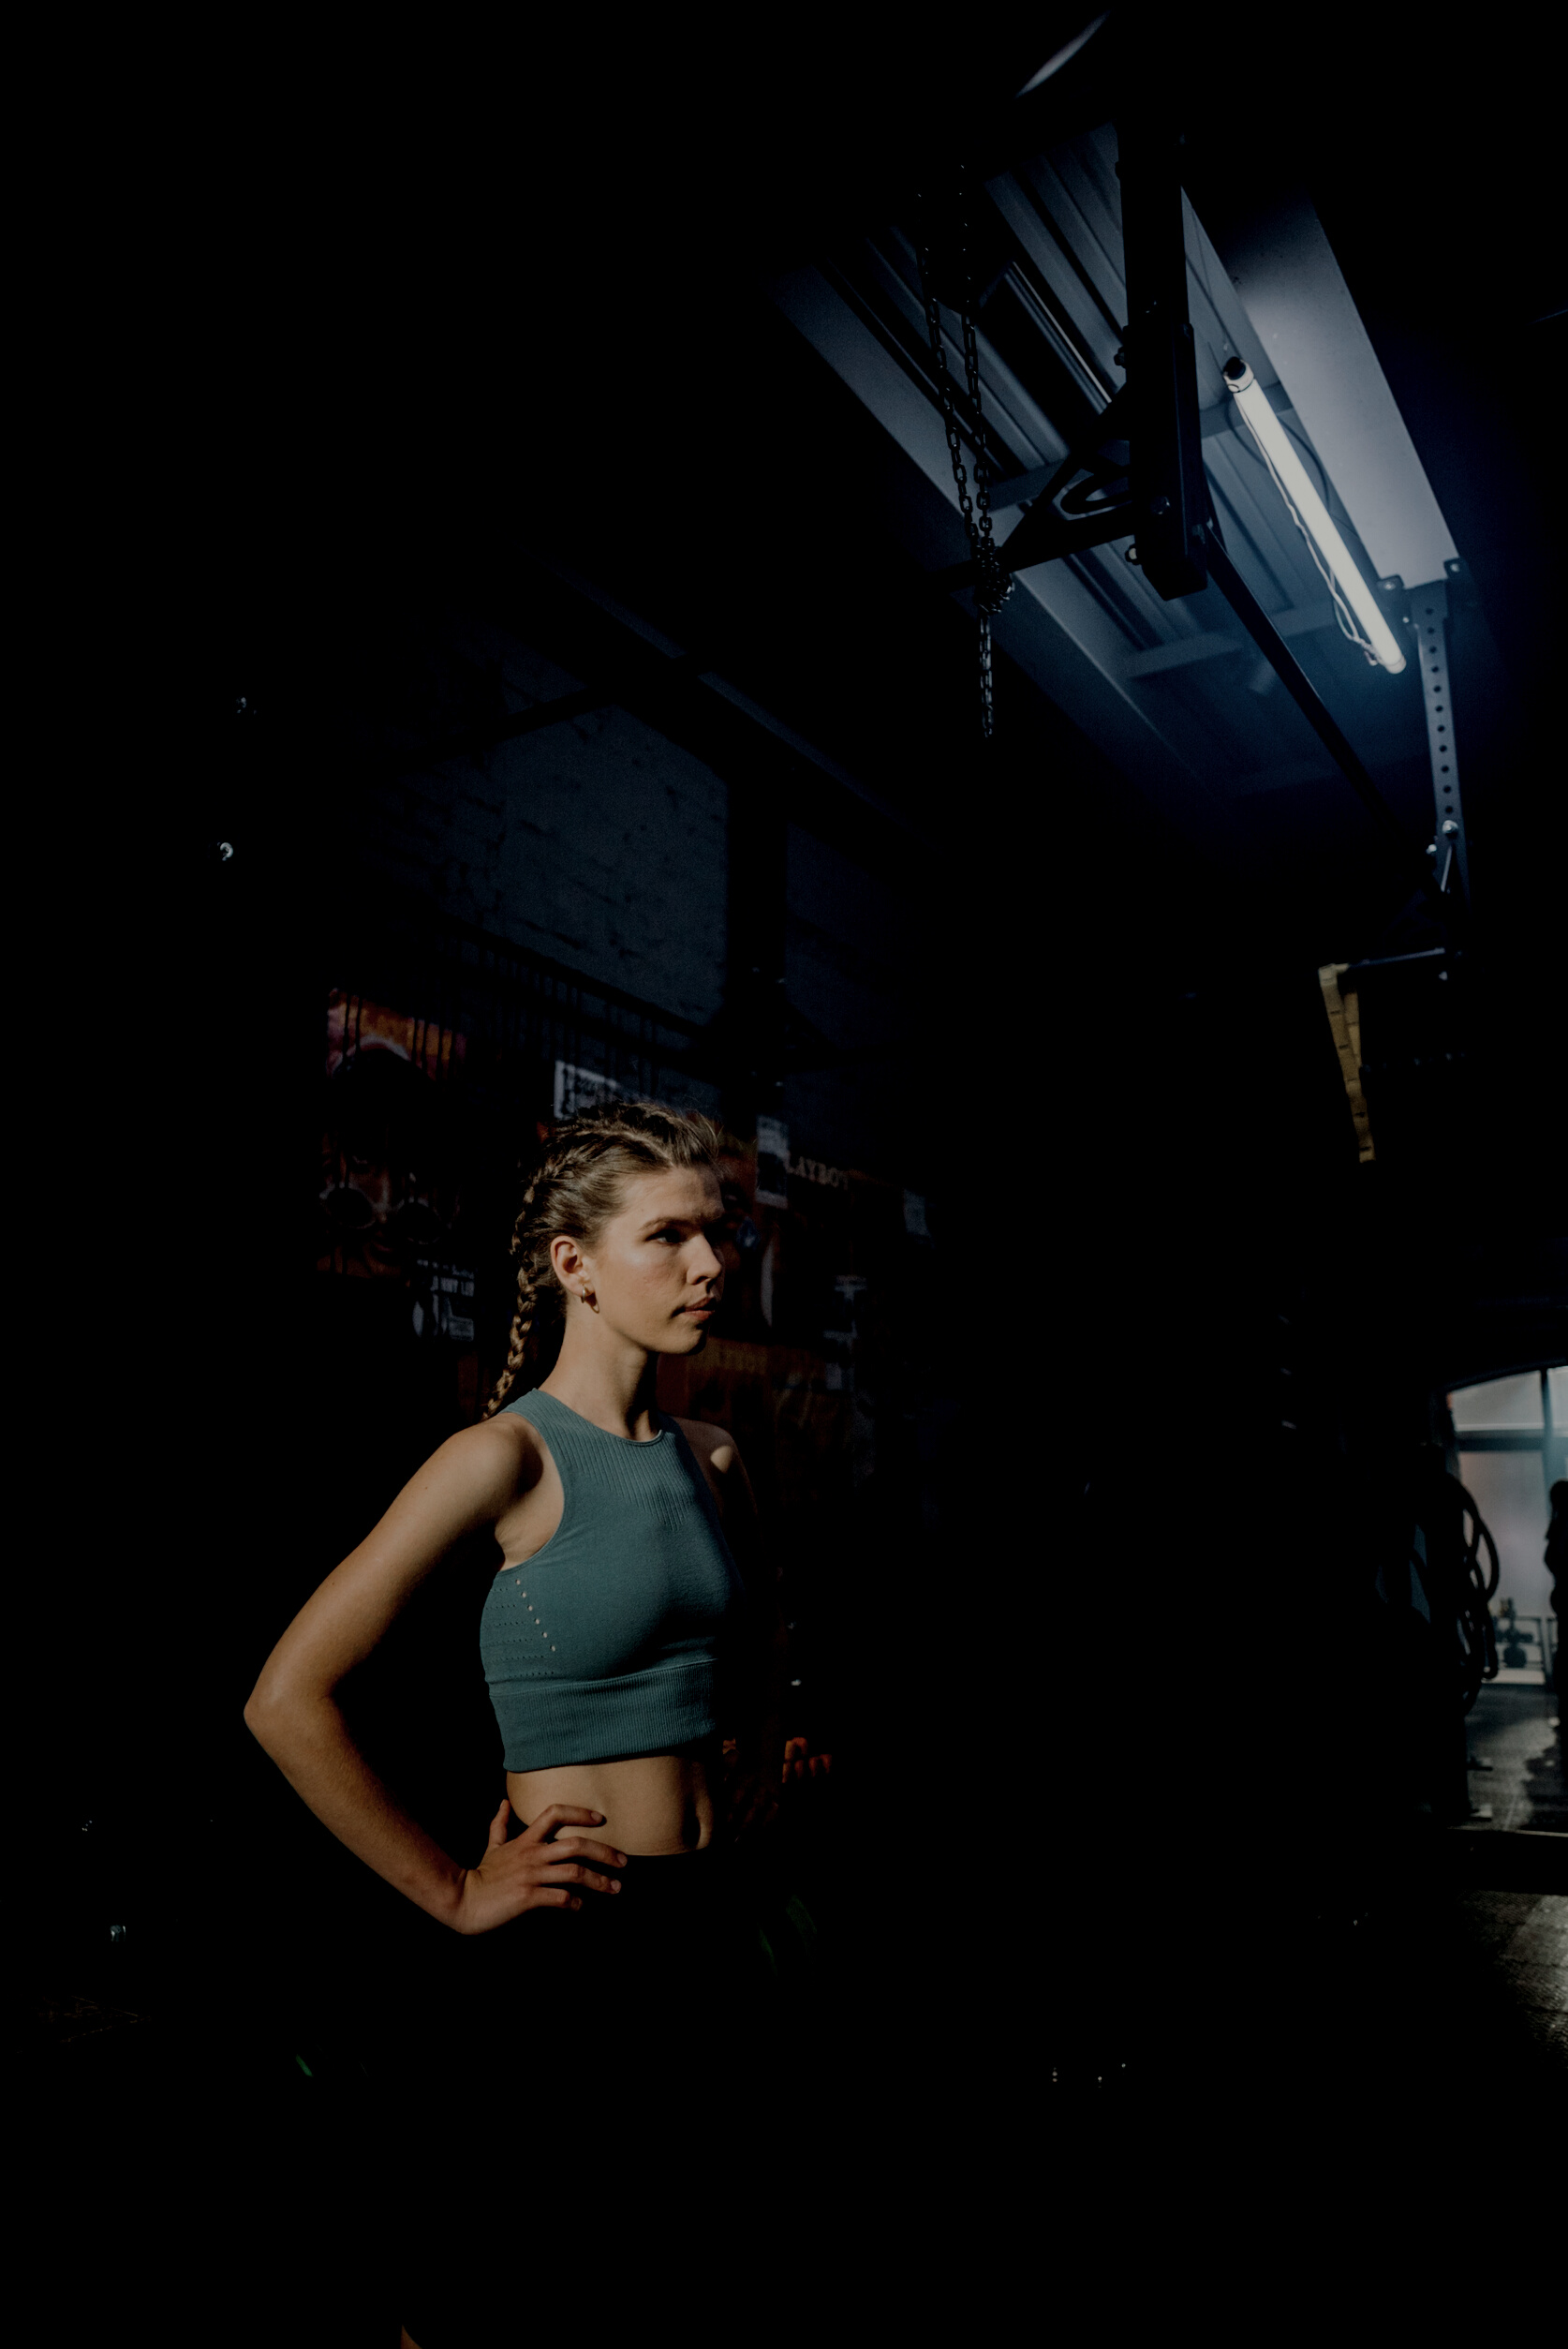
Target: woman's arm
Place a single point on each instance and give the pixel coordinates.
(294, 1713)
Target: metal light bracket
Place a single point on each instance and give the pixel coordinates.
(1140, 469)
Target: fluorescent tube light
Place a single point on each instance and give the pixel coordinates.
(1061, 57)
(1290, 475)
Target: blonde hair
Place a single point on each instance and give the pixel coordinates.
(580, 1185)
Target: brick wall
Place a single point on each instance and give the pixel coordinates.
(601, 844)
(595, 841)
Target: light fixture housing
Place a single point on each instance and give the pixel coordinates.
(1290, 474)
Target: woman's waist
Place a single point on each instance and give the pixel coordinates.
(652, 1804)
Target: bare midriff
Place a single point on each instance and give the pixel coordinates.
(653, 1802)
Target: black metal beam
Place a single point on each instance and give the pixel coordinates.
(1156, 409)
(1170, 489)
(1057, 535)
(1300, 686)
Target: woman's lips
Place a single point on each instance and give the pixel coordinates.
(701, 1313)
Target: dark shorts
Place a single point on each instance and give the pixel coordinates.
(573, 2079)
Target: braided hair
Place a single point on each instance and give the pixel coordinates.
(579, 1186)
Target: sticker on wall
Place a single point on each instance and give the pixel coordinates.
(444, 1302)
(581, 1089)
(772, 1163)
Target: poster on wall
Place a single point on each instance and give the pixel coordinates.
(581, 1089)
(393, 1195)
(443, 1300)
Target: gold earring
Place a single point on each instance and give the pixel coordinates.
(587, 1297)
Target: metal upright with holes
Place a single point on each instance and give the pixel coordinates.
(992, 586)
(1429, 612)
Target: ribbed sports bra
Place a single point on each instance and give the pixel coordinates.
(611, 1640)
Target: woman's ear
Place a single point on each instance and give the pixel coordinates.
(566, 1257)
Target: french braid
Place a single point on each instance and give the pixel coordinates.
(578, 1187)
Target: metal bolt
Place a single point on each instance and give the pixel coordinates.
(1119, 360)
(1449, 828)
(1159, 505)
(116, 1932)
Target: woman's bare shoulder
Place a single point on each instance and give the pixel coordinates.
(714, 1447)
(499, 1457)
(716, 1452)
(509, 1431)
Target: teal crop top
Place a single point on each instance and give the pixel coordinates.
(611, 1640)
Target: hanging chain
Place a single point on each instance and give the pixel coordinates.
(992, 586)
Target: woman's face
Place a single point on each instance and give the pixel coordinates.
(654, 1270)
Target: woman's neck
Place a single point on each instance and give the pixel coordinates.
(606, 1380)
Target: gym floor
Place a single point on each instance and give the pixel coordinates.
(1516, 1759)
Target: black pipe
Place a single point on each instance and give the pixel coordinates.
(1300, 686)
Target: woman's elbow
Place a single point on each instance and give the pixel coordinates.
(267, 1711)
(257, 1712)
(281, 1707)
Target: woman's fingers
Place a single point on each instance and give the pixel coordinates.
(579, 1847)
(548, 1866)
(561, 1815)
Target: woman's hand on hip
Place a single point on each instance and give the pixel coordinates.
(537, 1870)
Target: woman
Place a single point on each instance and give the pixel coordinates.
(620, 1640)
